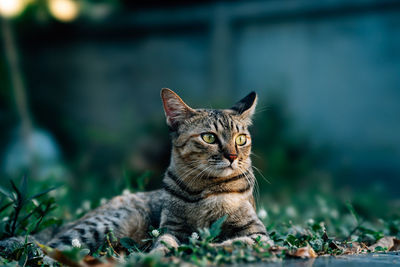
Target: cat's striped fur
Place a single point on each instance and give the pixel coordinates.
(203, 183)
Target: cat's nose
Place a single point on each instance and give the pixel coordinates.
(231, 157)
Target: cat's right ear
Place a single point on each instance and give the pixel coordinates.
(176, 111)
(246, 107)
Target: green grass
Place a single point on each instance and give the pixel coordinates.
(322, 224)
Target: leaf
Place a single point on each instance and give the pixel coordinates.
(352, 248)
(375, 234)
(142, 179)
(91, 261)
(64, 258)
(334, 245)
(23, 188)
(353, 212)
(128, 243)
(51, 221)
(6, 193)
(5, 206)
(292, 240)
(58, 255)
(43, 193)
(185, 248)
(304, 252)
(215, 228)
(391, 243)
(16, 190)
(84, 252)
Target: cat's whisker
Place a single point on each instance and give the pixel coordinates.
(262, 109)
(259, 171)
(254, 154)
(189, 172)
(185, 176)
(199, 176)
(253, 182)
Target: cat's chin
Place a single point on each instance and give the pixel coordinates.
(222, 172)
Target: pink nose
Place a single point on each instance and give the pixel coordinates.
(231, 157)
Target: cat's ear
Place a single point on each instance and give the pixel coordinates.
(246, 107)
(175, 109)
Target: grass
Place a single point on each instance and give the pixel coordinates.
(332, 228)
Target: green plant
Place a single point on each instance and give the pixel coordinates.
(25, 214)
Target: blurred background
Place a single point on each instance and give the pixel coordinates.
(80, 105)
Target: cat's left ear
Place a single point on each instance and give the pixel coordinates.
(246, 107)
(176, 111)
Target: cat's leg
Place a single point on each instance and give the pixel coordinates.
(248, 233)
(126, 216)
(174, 226)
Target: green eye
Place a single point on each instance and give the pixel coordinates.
(241, 140)
(209, 138)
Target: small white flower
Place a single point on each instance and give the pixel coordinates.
(195, 236)
(274, 208)
(334, 213)
(126, 192)
(76, 243)
(86, 205)
(79, 211)
(262, 214)
(291, 211)
(53, 193)
(5, 219)
(103, 201)
(155, 233)
(322, 224)
(310, 221)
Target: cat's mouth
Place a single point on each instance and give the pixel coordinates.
(224, 166)
(230, 167)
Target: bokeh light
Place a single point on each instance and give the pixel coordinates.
(11, 8)
(64, 10)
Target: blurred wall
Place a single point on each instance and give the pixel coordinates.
(336, 63)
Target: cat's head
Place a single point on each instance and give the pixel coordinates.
(209, 142)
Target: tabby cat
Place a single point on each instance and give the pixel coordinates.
(210, 175)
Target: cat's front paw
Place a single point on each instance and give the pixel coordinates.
(249, 240)
(160, 250)
(164, 244)
(266, 240)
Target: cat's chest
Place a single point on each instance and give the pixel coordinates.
(225, 202)
(215, 207)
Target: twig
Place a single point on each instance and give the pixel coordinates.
(109, 243)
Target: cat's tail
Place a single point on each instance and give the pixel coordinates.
(124, 216)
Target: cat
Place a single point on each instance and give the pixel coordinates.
(210, 175)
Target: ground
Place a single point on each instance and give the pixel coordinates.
(334, 235)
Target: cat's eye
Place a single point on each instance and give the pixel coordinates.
(241, 140)
(209, 138)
